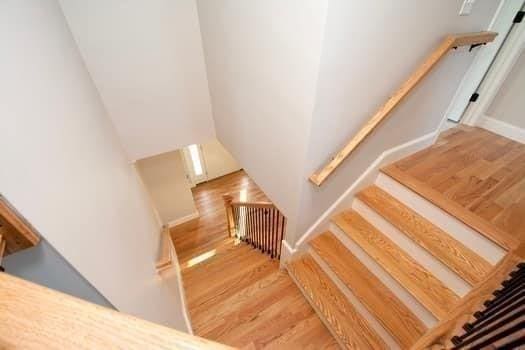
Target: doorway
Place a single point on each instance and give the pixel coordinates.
(501, 99)
(472, 90)
(195, 165)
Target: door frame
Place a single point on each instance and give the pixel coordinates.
(188, 166)
(496, 75)
(502, 24)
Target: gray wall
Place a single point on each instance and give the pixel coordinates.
(45, 266)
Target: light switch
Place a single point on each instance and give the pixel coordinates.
(466, 8)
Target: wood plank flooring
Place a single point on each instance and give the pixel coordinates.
(236, 295)
(475, 175)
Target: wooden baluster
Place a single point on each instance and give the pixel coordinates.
(3, 245)
(239, 223)
(268, 231)
(243, 220)
(281, 235)
(256, 215)
(253, 228)
(228, 199)
(259, 226)
(265, 230)
(502, 316)
(276, 232)
(270, 234)
(248, 228)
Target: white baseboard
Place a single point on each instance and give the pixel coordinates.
(286, 253)
(501, 128)
(367, 178)
(183, 219)
(175, 272)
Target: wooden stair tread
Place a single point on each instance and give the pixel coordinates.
(460, 259)
(486, 228)
(424, 286)
(352, 330)
(399, 320)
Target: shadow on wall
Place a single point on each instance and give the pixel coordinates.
(43, 265)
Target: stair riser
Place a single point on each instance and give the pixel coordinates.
(399, 291)
(484, 247)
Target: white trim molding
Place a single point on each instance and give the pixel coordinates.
(174, 273)
(367, 178)
(501, 23)
(496, 75)
(183, 219)
(286, 253)
(501, 128)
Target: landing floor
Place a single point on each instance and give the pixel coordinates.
(236, 295)
(474, 173)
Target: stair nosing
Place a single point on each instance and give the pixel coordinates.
(464, 266)
(322, 314)
(439, 309)
(388, 326)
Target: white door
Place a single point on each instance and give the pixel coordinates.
(496, 76)
(195, 165)
(502, 23)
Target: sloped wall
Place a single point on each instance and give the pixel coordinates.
(146, 60)
(262, 59)
(63, 168)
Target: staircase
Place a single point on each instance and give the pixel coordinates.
(395, 269)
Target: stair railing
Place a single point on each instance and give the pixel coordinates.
(450, 42)
(259, 224)
(491, 315)
(502, 321)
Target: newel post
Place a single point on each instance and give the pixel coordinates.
(228, 199)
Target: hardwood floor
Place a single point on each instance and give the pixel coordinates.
(475, 175)
(236, 295)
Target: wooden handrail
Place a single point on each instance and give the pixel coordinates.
(254, 204)
(35, 317)
(259, 224)
(450, 42)
(17, 232)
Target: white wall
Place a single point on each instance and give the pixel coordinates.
(292, 81)
(146, 60)
(218, 160)
(63, 167)
(165, 179)
(369, 49)
(509, 103)
(262, 59)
